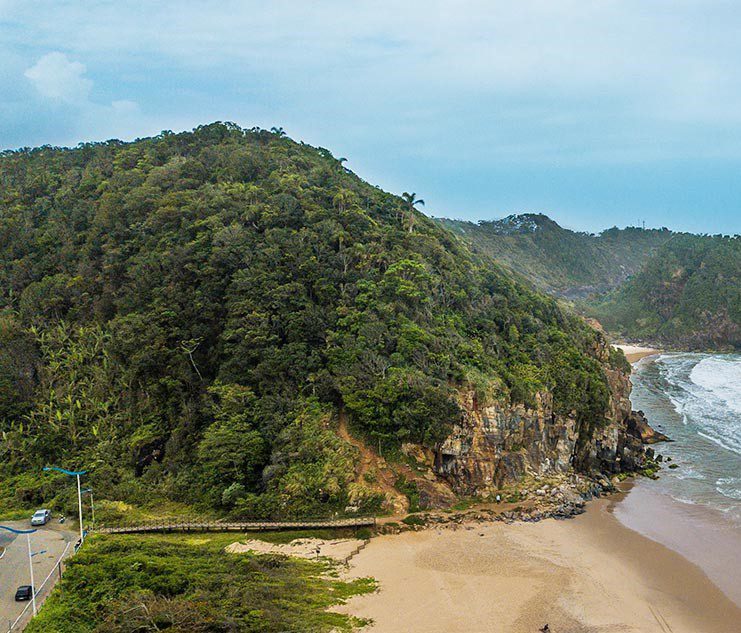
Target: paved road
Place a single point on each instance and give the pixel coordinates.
(14, 564)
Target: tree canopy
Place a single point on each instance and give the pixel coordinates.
(185, 314)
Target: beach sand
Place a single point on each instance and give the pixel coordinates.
(587, 574)
(634, 353)
(338, 549)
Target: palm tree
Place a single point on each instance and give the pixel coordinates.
(411, 201)
(278, 131)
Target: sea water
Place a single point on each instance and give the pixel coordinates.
(695, 508)
(695, 399)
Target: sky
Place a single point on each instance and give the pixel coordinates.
(597, 113)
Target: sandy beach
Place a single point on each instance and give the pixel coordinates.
(634, 353)
(588, 574)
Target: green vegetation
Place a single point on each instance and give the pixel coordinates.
(176, 583)
(651, 467)
(687, 295)
(676, 289)
(409, 488)
(557, 260)
(184, 315)
(413, 519)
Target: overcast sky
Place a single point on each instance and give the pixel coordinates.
(597, 113)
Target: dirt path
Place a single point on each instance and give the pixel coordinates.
(369, 463)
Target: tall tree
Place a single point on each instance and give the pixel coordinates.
(411, 201)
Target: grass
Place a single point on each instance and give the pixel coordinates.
(15, 514)
(113, 512)
(139, 583)
(464, 504)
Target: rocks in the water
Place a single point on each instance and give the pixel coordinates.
(673, 466)
(639, 427)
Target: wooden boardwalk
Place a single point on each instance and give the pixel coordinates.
(235, 526)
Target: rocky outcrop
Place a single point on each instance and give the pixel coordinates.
(499, 444)
(638, 426)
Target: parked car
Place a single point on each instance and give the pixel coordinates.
(41, 517)
(24, 592)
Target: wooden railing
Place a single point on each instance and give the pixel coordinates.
(234, 526)
(356, 551)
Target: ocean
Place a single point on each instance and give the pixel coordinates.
(695, 399)
(694, 508)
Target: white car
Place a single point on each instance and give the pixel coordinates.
(41, 517)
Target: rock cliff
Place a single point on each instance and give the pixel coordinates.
(498, 444)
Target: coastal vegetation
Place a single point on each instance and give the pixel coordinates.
(185, 315)
(560, 261)
(120, 584)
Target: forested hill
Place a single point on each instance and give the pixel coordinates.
(688, 295)
(185, 314)
(672, 289)
(560, 261)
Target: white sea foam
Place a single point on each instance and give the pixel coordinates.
(696, 400)
(706, 392)
(689, 473)
(729, 487)
(720, 377)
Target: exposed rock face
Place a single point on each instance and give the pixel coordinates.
(639, 426)
(499, 444)
(496, 445)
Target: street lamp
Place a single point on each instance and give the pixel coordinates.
(73, 473)
(92, 503)
(30, 555)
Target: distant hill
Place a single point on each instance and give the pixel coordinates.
(674, 289)
(559, 261)
(688, 295)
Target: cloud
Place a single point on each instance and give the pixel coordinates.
(419, 94)
(125, 107)
(57, 77)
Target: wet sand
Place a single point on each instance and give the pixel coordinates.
(588, 574)
(699, 533)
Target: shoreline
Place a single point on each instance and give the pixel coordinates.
(683, 510)
(587, 574)
(698, 533)
(634, 353)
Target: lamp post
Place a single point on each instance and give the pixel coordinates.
(73, 473)
(92, 503)
(30, 562)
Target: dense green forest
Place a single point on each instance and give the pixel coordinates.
(184, 315)
(688, 295)
(560, 261)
